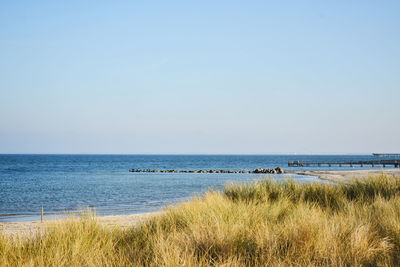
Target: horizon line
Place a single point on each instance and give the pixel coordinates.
(196, 154)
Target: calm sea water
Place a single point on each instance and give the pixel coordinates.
(70, 183)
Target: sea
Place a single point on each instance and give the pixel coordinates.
(65, 184)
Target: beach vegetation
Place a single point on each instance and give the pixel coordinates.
(262, 223)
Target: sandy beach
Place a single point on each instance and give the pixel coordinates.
(345, 176)
(32, 228)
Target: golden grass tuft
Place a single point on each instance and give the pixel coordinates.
(254, 224)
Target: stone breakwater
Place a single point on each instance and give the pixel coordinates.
(277, 170)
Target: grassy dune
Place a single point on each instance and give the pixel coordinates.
(260, 223)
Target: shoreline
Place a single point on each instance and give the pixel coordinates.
(32, 228)
(346, 176)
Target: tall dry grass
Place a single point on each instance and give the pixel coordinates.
(255, 224)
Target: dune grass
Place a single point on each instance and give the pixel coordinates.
(254, 224)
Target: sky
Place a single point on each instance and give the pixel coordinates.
(200, 77)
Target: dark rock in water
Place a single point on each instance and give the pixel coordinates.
(259, 171)
(277, 170)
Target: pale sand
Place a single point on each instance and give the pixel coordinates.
(346, 176)
(32, 228)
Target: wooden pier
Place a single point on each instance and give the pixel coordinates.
(361, 163)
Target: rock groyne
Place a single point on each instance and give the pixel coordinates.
(277, 170)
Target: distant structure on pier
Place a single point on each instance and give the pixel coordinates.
(386, 155)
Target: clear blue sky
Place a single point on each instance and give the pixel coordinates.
(199, 76)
